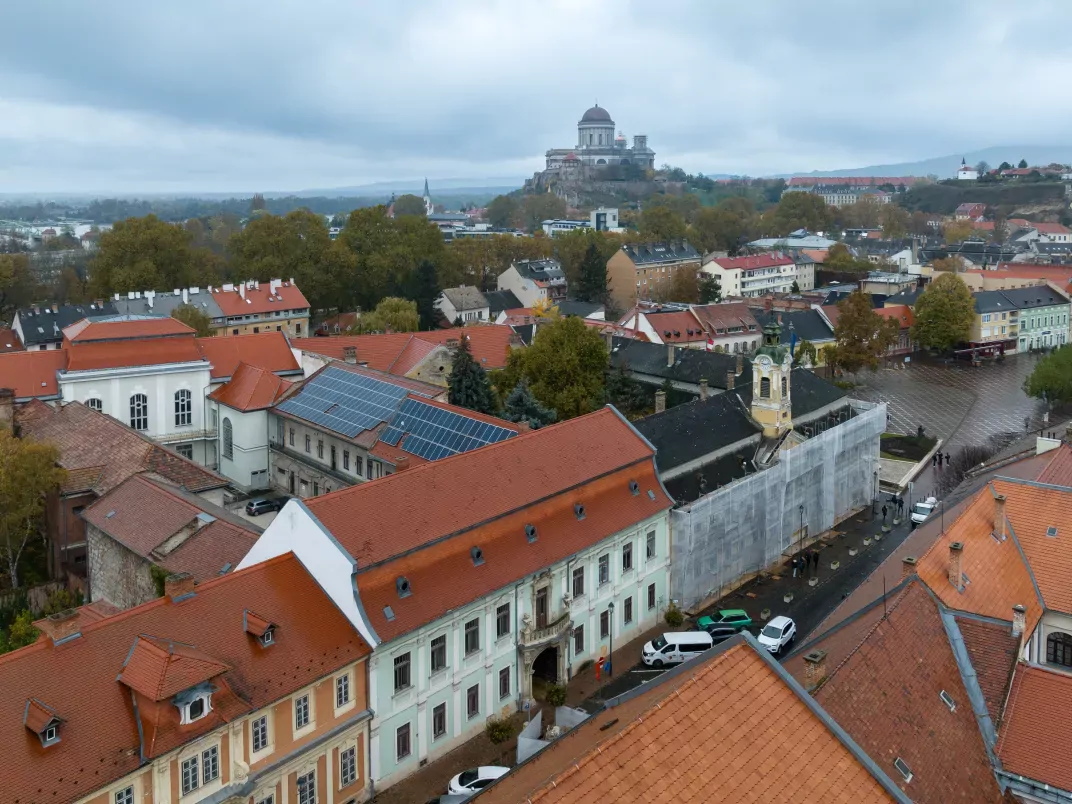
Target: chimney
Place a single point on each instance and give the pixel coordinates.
(608, 336)
(955, 551)
(242, 290)
(740, 363)
(523, 427)
(908, 566)
(401, 463)
(185, 296)
(660, 401)
(669, 355)
(1019, 620)
(349, 354)
(703, 389)
(7, 408)
(999, 516)
(60, 626)
(731, 379)
(55, 309)
(178, 585)
(814, 669)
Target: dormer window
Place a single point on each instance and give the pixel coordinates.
(43, 721)
(194, 704)
(268, 638)
(259, 627)
(51, 735)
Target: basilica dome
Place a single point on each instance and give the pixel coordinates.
(596, 114)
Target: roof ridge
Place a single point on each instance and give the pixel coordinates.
(874, 627)
(975, 500)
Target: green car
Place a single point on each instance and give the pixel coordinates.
(737, 618)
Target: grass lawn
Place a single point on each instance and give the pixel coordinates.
(905, 447)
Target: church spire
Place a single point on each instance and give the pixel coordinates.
(426, 193)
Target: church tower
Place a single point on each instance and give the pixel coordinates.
(429, 208)
(771, 367)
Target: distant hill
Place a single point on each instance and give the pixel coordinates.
(945, 167)
(437, 187)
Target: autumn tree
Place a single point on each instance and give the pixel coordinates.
(409, 204)
(944, 313)
(1051, 378)
(391, 315)
(839, 258)
(17, 284)
(953, 264)
(723, 227)
(571, 248)
(28, 473)
(957, 231)
(591, 285)
(535, 209)
(919, 224)
(193, 318)
(798, 210)
(468, 385)
(683, 286)
(141, 254)
(685, 206)
(503, 211)
(480, 260)
(861, 336)
(894, 221)
(257, 203)
(522, 406)
(660, 223)
(564, 367)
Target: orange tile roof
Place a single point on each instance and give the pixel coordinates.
(752, 735)
(9, 341)
(886, 695)
(100, 729)
(32, 374)
(257, 300)
(265, 350)
(992, 650)
(131, 352)
(85, 438)
(899, 312)
(679, 325)
(159, 669)
(251, 389)
(1058, 471)
(457, 492)
(122, 327)
(1026, 746)
(89, 613)
(412, 355)
(716, 317)
(1031, 510)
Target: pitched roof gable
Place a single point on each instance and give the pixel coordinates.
(1025, 746)
(250, 389)
(32, 374)
(266, 350)
(159, 669)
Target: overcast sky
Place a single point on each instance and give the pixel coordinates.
(134, 96)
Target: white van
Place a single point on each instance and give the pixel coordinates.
(674, 648)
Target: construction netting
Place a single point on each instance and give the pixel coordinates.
(749, 525)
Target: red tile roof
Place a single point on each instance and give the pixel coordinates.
(9, 341)
(100, 729)
(751, 736)
(719, 318)
(259, 300)
(886, 695)
(682, 327)
(769, 259)
(32, 374)
(39, 716)
(251, 389)
(115, 328)
(86, 438)
(992, 650)
(159, 669)
(1058, 471)
(900, 312)
(1026, 744)
(266, 350)
(131, 352)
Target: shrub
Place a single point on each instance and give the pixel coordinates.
(673, 616)
(499, 729)
(556, 695)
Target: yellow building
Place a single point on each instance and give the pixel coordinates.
(638, 270)
(771, 398)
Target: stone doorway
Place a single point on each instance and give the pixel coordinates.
(545, 668)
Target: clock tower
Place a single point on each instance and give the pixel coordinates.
(771, 367)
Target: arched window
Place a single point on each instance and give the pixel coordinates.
(93, 403)
(184, 408)
(764, 387)
(139, 412)
(228, 439)
(785, 388)
(1059, 649)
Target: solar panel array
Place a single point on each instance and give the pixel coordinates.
(345, 402)
(433, 433)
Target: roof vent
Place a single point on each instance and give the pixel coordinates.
(651, 494)
(634, 488)
(1051, 531)
(902, 766)
(947, 700)
(477, 555)
(530, 533)
(578, 510)
(402, 586)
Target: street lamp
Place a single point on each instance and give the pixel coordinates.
(610, 654)
(800, 538)
(874, 499)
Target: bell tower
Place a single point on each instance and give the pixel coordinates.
(771, 368)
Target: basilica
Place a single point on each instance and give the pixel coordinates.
(597, 146)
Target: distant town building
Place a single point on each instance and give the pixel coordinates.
(637, 269)
(966, 172)
(597, 146)
(534, 281)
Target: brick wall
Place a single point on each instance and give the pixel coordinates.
(117, 574)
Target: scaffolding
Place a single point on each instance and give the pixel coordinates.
(742, 528)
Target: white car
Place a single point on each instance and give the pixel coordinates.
(475, 779)
(778, 633)
(922, 510)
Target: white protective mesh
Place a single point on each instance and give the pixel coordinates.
(746, 526)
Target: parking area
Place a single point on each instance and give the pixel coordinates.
(262, 520)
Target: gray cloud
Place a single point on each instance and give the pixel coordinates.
(169, 97)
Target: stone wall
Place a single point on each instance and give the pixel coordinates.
(117, 574)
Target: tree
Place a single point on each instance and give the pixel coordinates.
(798, 210)
(806, 353)
(141, 254)
(919, 224)
(711, 291)
(17, 284)
(20, 633)
(1023, 164)
(626, 394)
(502, 211)
(536, 209)
(28, 473)
(795, 288)
(468, 385)
(564, 367)
(409, 204)
(544, 308)
(1051, 379)
(257, 203)
(194, 318)
(571, 248)
(982, 168)
(391, 315)
(894, 220)
(591, 283)
(953, 264)
(661, 223)
(1004, 166)
(723, 227)
(424, 290)
(957, 231)
(839, 258)
(522, 406)
(683, 286)
(861, 336)
(944, 313)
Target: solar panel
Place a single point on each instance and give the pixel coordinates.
(345, 402)
(433, 433)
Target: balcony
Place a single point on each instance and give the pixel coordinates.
(182, 437)
(533, 637)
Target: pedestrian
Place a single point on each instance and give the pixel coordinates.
(793, 564)
(947, 459)
(934, 459)
(815, 558)
(885, 511)
(939, 457)
(900, 506)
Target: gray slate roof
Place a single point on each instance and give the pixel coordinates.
(690, 365)
(673, 251)
(465, 297)
(46, 326)
(499, 300)
(166, 301)
(808, 325)
(541, 270)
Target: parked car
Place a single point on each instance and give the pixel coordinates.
(778, 633)
(720, 633)
(738, 618)
(922, 510)
(475, 779)
(674, 648)
(450, 799)
(258, 507)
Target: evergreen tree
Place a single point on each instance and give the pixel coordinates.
(424, 290)
(710, 290)
(592, 277)
(468, 383)
(522, 406)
